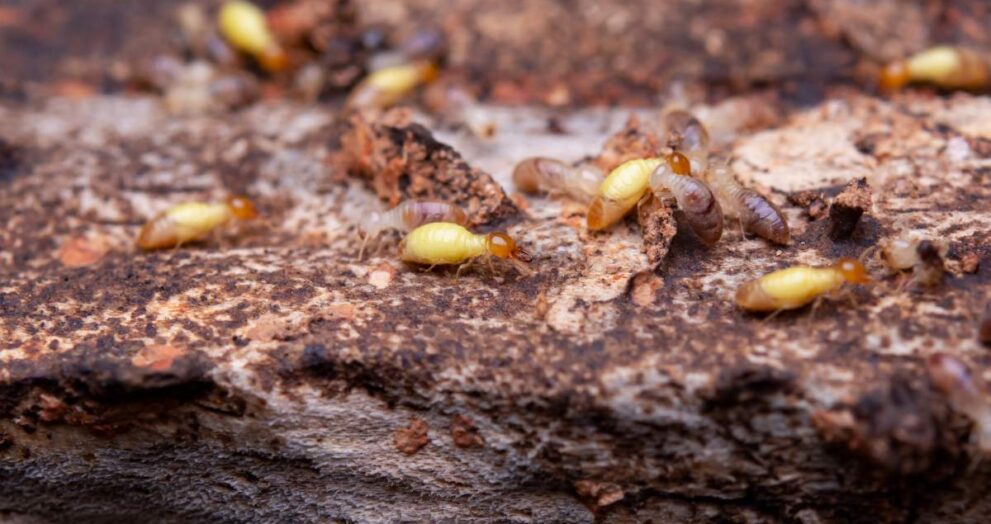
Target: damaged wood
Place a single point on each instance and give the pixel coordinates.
(402, 160)
(272, 375)
(846, 209)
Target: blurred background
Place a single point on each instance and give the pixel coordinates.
(552, 52)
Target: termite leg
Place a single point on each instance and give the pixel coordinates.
(867, 252)
(462, 267)
(772, 315)
(364, 242)
(851, 297)
(903, 284)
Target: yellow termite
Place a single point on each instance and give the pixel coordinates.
(385, 87)
(948, 67)
(621, 191)
(795, 287)
(409, 215)
(244, 25)
(191, 221)
(540, 174)
(444, 243)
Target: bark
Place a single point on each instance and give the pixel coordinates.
(268, 374)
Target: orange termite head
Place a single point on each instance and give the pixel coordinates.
(241, 207)
(680, 164)
(852, 270)
(894, 76)
(273, 59)
(503, 246)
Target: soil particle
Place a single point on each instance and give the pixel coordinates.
(464, 433)
(847, 208)
(83, 251)
(811, 201)
(658, 227)
(599, 494)
(636, 140)
(410, 439)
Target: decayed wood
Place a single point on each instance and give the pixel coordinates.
(268, 374)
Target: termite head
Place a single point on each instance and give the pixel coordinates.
(852, 270)
(894, 76)
(242, 208)
(503, 246)
(680, 164)
(273, 59)
(929, 253)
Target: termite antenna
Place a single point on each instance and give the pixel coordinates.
(364, 242)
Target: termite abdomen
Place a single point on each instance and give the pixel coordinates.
(766, 220)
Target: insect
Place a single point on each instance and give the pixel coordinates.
(966, 392)
(923, 256)
(409, 215)
(389, 85)
(695, 199)
(688, 136)
(541, 174)
(620, 191)
(755, 213)
(243, 24)
(191, 221)
(795, 287)
(442, 243)
(948, 67)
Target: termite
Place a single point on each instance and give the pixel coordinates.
(755, 213)
(924, 257)
(695, 199)
(409, 215)
(620, 192)
(948, 67)
(688, 136)
(385, 87)
(191, 221)
(966, 392)
(244, 25)
(795, 287)
(445, 243)
(547, 175)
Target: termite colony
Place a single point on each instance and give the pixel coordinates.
(707, 193)
(307, 49)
